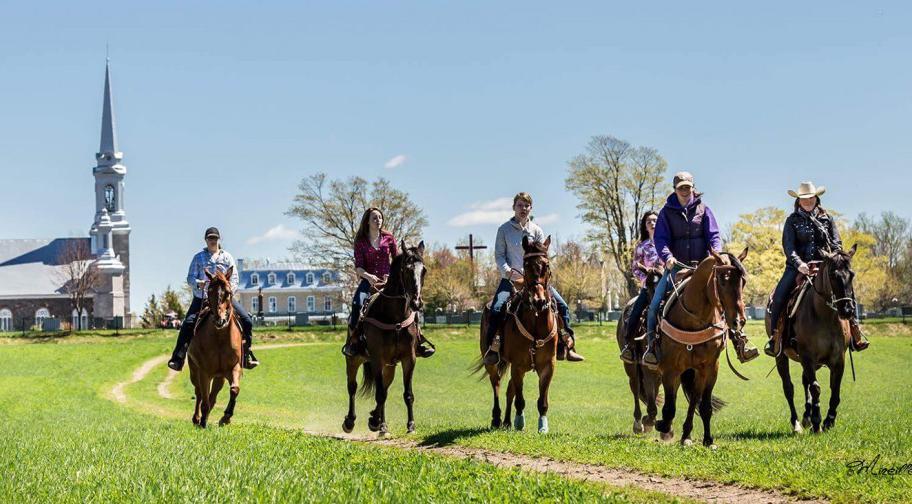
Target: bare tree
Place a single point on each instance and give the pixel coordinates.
(330, 211)
(77, 274)
(576, 273)
(892, 233)
(615, 183)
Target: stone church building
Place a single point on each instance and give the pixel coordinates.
(34, 273)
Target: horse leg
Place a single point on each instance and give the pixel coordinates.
(217, 383)
(205, 383)
(386, 377)
(810, 377)
(234, 387)
(836, 371)
(194, 379)
(633, 382)
(670, 383)
(544, 383)
(495, 386)
(351, 372)
(408, 367)
(806, 416)
(511, 395)
(782, 365)
(693, 390)
(706, 409)
(651, 391)
(519, 421)
(373, 422)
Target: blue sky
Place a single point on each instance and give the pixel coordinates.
(223, 107)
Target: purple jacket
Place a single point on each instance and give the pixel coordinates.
(686, 233)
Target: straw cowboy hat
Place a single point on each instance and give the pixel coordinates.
(807, 190)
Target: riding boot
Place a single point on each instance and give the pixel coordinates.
(569, 344)
(743, 347)
(425, 348)
(858, 342)
(492, 356)
(770, 347)
(250, 360)
(350, 349)
(178, 355)
(650, 360)
(627, 352)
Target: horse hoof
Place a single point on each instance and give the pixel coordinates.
(543, 425)
(687, 442)
(806, 422)
(638, 428)
(829, 423)
(384, 430)
(519, 423)
(373, 424)
(648, 426)
(666, 436)
(495, 423)
(796, 427)
(224, 421)
(410, 428)
(713, 447)
(195, 420)
(348, 425)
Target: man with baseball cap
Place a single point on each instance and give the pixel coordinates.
(685, 232)
(213, 258)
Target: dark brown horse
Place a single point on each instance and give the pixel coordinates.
(821, 335)
(390, 325)
(529, 339)
(639, 377)
(215, 350)
(707, 310)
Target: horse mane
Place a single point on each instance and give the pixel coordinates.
(736, 263)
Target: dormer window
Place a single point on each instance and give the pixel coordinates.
(254, 279)
(290, 279)
(270, 279)
(327, 278)
(310, 278)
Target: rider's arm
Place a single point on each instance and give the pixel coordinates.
(638, 258)
(500, 252)
(834, 233)
(193, 275)
(662, 238)
(711, 230)
(788, 244)
(234, 280)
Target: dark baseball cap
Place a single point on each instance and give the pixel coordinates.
(213, 231)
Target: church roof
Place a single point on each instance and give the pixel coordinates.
(33, 267)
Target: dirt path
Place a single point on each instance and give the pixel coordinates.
(701, 490)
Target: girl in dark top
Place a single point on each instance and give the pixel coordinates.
(375, 249)
(808, 231)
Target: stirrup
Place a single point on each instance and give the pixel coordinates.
(491, 361)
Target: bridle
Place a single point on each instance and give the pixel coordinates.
(830, 300)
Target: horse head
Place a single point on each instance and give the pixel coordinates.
(653, 275)
(728, 287)
(837, 278)
(409, 266)
(219, 296)
(536, 266)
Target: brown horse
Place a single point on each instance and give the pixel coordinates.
(529, 339)
(639, 377)
(821, 335)
(215, 350)
(390, 325)
(708, 309)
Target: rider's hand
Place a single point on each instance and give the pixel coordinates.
(514, 276)
(200, 283)
(670, 263)
(371, 279)
(803, 268)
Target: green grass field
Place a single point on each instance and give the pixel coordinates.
(65, 439)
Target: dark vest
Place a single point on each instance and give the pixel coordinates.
(688, 243)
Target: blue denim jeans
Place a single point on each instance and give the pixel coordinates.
(780, 295)
(361, 295)
(636, 311)
(186, 330)
(664, 285)
(502, 294)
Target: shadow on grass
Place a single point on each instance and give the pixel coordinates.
(756, 435)
(448, 437)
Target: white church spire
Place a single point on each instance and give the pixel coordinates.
(108, 130)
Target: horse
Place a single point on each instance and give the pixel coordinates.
(639, 377)
(529, 339)
(215, 352)
(694, 331)
(821, 336)
(390, 324)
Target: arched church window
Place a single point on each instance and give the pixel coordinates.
(41, 315)
(6, 320)
(109, 197)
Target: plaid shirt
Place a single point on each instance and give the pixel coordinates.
(204, 260)
(376, 261)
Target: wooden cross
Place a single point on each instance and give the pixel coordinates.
(471, 248)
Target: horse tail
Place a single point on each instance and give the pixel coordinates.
(688, 386)
(367, 379)
(478, 365)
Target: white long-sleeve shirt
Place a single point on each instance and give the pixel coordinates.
(508, 250)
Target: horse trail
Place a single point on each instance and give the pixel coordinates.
(701, 490)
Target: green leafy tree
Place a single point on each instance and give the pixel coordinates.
(171, 301)
(152, 313)
(761, 232)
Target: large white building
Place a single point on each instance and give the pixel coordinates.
(32, 271)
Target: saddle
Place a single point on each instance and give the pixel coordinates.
(782, 339)
(715, 330)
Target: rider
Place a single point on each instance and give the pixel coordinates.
(375, 249)
(644, 254)
(508, 254)
(808, 231)
(213, 258)
(685, 232)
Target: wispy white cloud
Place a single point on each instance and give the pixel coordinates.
(395, 161)
(275, 233)
(496, 211)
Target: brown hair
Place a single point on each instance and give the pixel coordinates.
(364, 227)
(644, 233)
(819, 205)
(522, 196)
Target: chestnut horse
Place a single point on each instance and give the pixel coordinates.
(215, 350)
(708, 309)
(390, 325)
(529, 339)
(821, 335)
(639, 377)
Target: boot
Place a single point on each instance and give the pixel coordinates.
(745, 350)
(425, 348)
(349, 349)
(770, 347)
(627, 354)
(568, 353)
(649, 356)
(177, 358)
(492, 356)
(858, 342)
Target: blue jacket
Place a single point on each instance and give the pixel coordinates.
(686, 233)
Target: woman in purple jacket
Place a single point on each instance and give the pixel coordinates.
(685, 232)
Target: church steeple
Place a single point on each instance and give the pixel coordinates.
(108, 130)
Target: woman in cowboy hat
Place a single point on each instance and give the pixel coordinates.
(808, 232)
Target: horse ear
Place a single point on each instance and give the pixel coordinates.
(547, 242)
(402, 246)
(743, 255)
(853, 250)
(525, 242)
(229, 273)
(715, 255)
(421, 248)
(208, 274)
